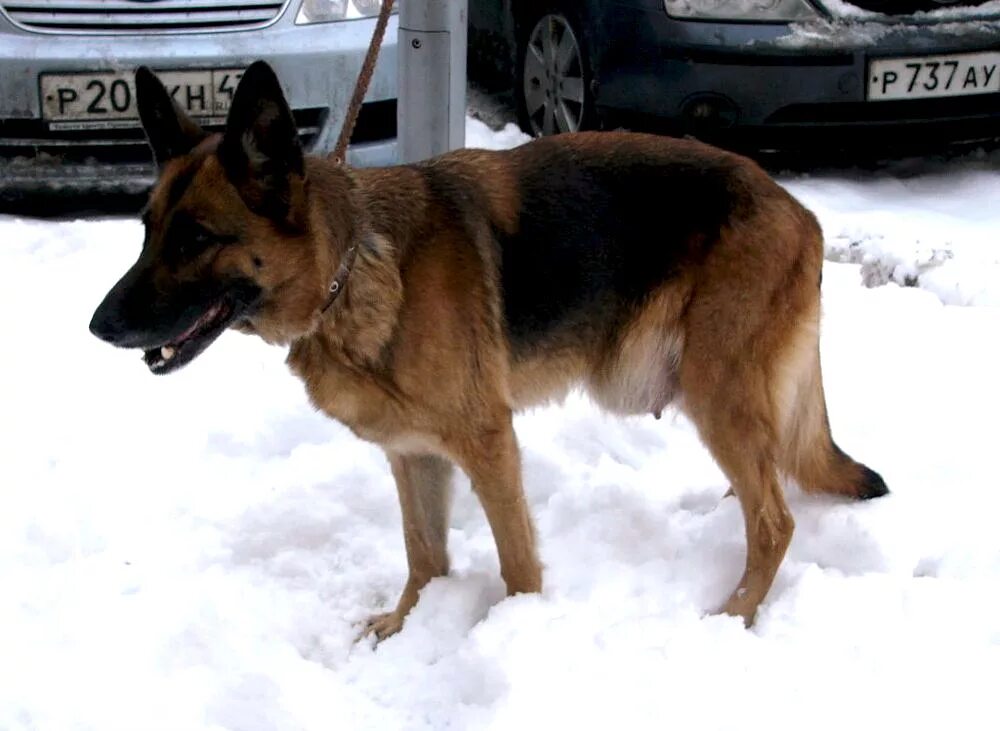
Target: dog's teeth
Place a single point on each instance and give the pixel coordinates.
(167, 352)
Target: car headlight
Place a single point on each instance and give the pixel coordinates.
(324, 11)
(775, 11)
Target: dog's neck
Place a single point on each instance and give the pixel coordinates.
(359, 320)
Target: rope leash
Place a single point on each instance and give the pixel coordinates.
(339, 154)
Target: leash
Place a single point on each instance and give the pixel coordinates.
(339, 154)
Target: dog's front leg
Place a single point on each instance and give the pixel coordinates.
(491, 459)
(424, 485)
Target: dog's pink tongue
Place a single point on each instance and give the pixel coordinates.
(207, 317)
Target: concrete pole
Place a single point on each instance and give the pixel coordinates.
(432, 42)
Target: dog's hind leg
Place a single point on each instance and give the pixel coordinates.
(725, 388)
(733, 420)
(424, 486)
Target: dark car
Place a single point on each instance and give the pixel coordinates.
(767, 74)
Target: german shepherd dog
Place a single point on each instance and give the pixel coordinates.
(423, 304)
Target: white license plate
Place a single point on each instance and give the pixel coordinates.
(107, 98)
(933, 76)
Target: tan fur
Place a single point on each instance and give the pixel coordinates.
(547, 378)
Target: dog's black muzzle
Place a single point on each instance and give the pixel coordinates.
(174, 326)
(131, 315)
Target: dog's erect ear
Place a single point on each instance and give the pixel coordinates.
(260, 149)
(170, 131)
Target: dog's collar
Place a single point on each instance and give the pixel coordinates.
(340, 278)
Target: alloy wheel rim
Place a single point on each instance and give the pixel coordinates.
(553, 77)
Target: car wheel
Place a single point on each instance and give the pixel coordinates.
(552, 83)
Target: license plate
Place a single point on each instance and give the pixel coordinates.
(107, 98)
(933, 76)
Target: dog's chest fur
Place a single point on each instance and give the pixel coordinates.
(370, 401)
(348, 392)
(409, 347)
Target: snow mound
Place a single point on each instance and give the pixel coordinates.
(854, 27)
(936, 231)
(958, 11)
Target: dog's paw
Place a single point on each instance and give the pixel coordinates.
(741, 605)
(382, 625)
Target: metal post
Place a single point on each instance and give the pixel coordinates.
(433, 37)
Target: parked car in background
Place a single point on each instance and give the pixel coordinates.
(67, 99)
(764, 74)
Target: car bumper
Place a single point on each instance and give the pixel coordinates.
(775, 86)
(317, 65)
(23, 176)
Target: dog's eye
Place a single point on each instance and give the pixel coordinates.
(188, 239)
(196, 238)
(193, 239)
(202, 236)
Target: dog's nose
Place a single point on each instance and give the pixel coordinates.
(106, 325)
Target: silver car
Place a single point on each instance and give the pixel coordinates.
(68, 118)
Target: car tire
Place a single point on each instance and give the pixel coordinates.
(553, 82)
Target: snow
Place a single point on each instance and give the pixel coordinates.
(853, 27)
(478, 134)
(937, 230)
(198, 551)
(959, 11)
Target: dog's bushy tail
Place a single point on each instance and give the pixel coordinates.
(808, 454)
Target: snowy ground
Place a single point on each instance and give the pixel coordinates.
(196, 552)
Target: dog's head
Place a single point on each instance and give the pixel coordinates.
(227, 239)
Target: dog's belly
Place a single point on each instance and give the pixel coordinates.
(630, 367)
(638, 375)
(546, 378)
(642, 377)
